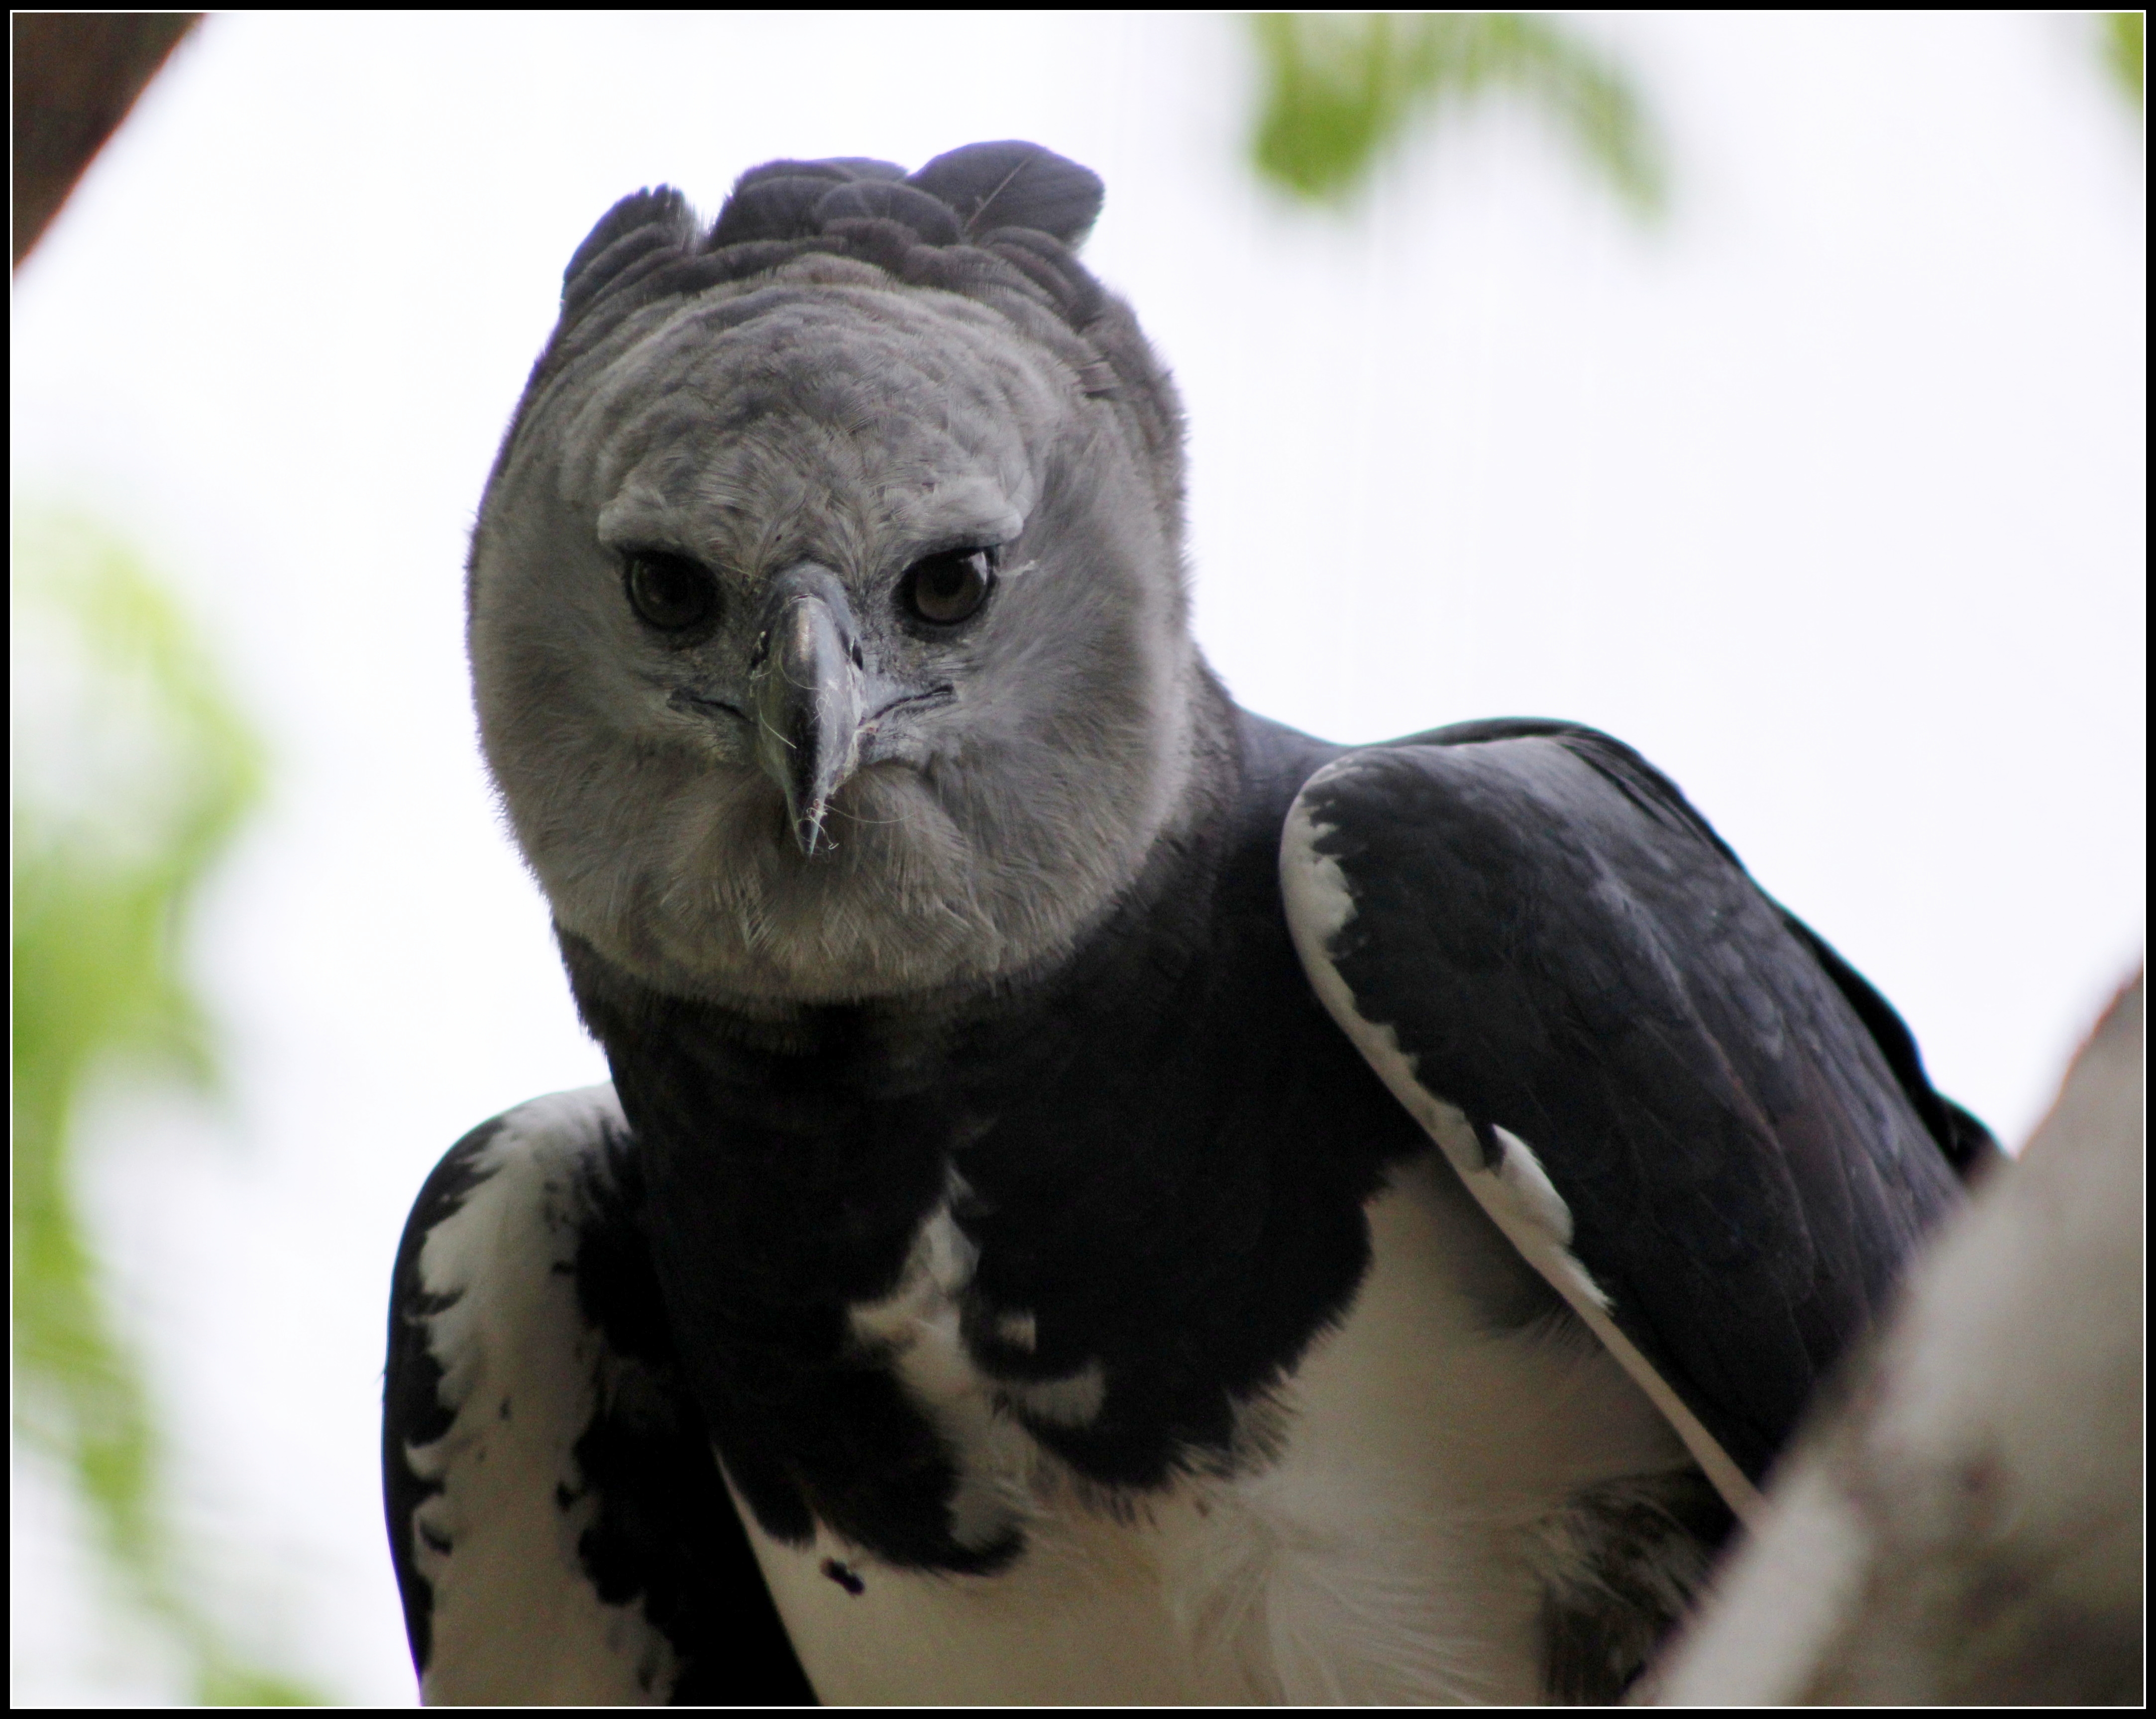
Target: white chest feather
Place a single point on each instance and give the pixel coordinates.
(1388, 1554)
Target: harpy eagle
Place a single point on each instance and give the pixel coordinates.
(1102, 1198)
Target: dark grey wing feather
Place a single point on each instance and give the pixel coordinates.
(1969, 1146)
(1544, 937)
(560, 1527)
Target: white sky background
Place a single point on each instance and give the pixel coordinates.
(1827, 495)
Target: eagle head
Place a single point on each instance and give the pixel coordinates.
(828, 627)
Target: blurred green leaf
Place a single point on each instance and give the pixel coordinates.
(2121, 37)
(1341, 88)
(131, 771)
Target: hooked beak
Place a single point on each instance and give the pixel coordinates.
(805, 686)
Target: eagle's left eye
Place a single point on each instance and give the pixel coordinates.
(669, 592)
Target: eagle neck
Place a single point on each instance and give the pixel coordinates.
(1106, 1137)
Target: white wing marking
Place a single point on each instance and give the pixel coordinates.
(1516, 1191)
(515, 1618)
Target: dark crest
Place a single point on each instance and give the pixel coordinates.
(997, 223)
(1015, 205)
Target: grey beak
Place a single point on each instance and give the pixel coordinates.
(805, 682)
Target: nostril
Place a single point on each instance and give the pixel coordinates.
(855, 653)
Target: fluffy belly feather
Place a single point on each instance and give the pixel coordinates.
(1389, 1538)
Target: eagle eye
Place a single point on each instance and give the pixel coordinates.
(949, 588)
(669, 593)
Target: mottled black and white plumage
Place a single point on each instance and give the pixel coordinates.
(1102, 1198)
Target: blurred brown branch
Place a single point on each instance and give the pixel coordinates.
(77, 74)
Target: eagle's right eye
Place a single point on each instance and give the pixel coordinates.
(669, 592)
(949, 588)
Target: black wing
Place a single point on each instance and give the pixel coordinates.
(1704, 1127)
(561, 1530)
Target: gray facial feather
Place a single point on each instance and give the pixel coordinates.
(823, 415)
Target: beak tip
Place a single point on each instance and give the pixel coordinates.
(810, 836)
(807, 693)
